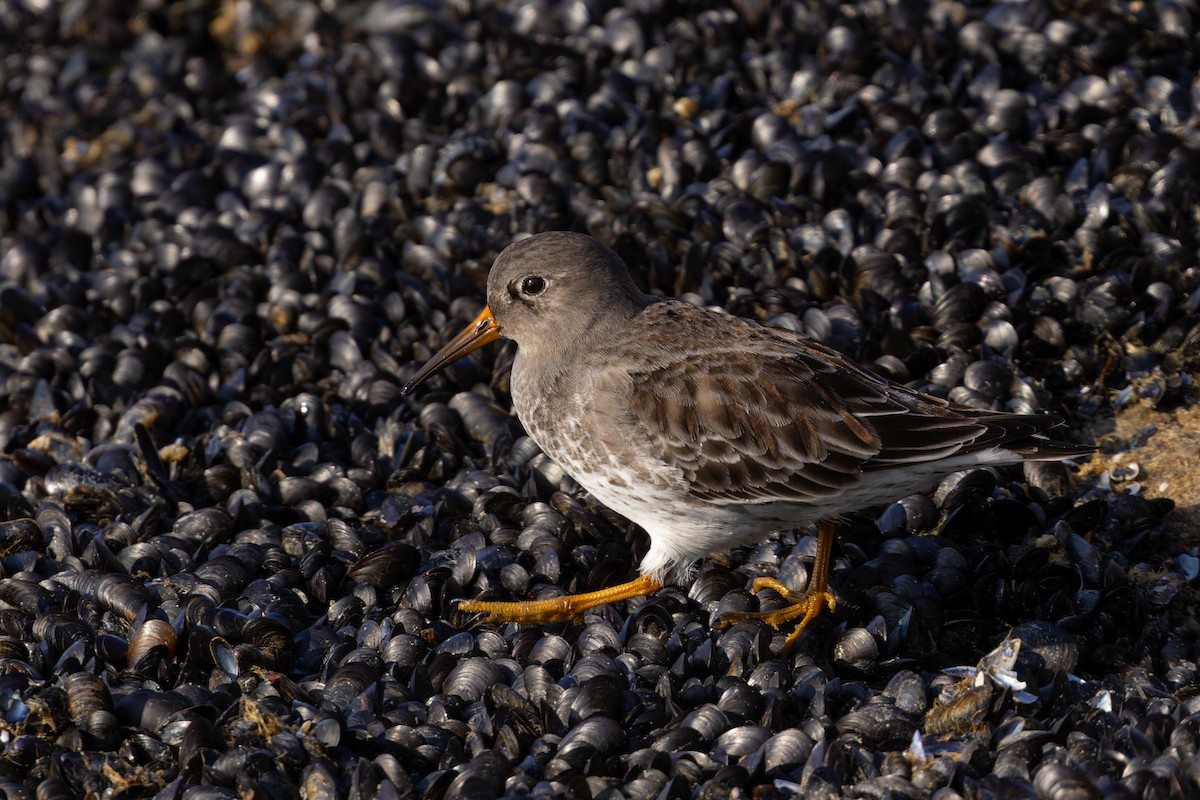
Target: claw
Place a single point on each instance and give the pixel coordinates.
(808, 606)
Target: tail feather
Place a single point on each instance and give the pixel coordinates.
(916, 438)
(1041, 448)
(1026, 435)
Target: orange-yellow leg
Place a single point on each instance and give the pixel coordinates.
(808, 606)
(558, 609)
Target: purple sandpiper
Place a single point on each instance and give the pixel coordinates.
(709, 430)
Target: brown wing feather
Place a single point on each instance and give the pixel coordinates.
(774, 416)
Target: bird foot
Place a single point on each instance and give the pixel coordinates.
(557, 609)
(808, 606)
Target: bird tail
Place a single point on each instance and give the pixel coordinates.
(1041, 448)
(1030, 436)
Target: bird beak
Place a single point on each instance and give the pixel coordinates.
(480, 332)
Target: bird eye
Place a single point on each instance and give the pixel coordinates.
(533, 285)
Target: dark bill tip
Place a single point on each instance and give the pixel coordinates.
(480, 332)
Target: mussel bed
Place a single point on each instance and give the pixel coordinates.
(229, 549)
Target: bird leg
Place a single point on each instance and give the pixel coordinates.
(558, 609)
(808, 606)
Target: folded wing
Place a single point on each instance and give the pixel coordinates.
(776, 417)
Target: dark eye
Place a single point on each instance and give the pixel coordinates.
(533, 285)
